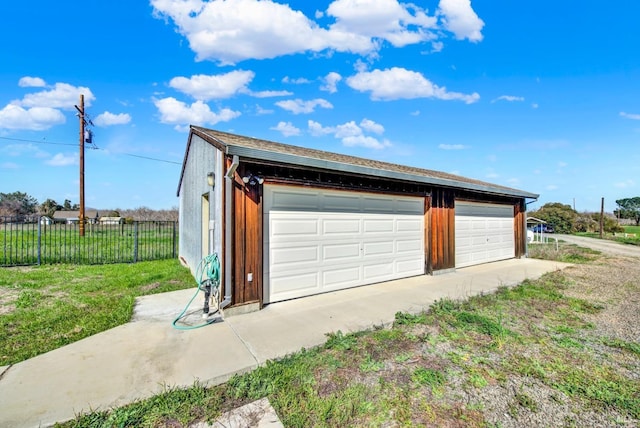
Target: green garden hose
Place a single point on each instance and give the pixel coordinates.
(208, 280)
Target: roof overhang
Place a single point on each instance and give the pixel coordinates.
(259, 155)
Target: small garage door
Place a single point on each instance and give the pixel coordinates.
(318, 240)
(484, 233)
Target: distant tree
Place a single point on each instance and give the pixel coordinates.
(609, 223)
(49, 207)
(561, 216)
(17, 204)
(586, 223)
(148, 214)
(67, 205)
(629, 208)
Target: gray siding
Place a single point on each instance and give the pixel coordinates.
(201, 159)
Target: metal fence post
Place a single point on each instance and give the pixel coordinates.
(135, 241)
(174, 240)
(39, 240)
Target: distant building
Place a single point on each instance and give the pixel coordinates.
(111, 220)
(73, 217)
(46, 220)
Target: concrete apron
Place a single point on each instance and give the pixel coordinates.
(147, 356)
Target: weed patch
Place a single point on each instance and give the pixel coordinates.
(405, 318)
(633, 347)
(429, 377)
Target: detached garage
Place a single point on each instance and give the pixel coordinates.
(289, 222)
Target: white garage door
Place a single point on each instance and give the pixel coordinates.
(484, 233)
(323, 240)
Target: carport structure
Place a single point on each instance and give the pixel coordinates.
(289, 221)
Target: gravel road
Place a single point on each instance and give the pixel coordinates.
(607, 247)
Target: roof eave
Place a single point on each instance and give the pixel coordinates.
(265, 155)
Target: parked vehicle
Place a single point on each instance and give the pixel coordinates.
(543, 228)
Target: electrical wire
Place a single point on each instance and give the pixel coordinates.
(207, 275)
(93, 147)
(37, 141)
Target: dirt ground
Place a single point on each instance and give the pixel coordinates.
(613, 284)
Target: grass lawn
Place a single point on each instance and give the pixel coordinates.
(632, 229)
(45, 307)
(529, 355)
(618, 237)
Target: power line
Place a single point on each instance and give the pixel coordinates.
(94, 148)
(36, 141)
(153, 159)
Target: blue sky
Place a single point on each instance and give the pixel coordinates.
(540, 95)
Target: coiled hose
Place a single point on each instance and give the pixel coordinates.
(208, 280)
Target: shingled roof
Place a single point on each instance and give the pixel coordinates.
(257, 149)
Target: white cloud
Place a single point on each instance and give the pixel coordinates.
(452, 146)
(534, 105)
(415, 113)
(510, 98)
(235, 30)
(625, 184)
(178, 113)
(459, 18)
(492, 175)
(298, 106)
(62, 95)
(9, 165)
(31, 82)
(513, 181)
(22, 149)
(492, 158)
(399, 24)
(400, 83)
(317, 130)
(35, 118)
(269, 94)
(552, 187)
(352, 134)
(108, 119)
(261, 111)
(562, 164)
(330, 82)
(365, 141)
(630, 115)
(39, 111)
(436, 47)
(298, 81)
(212, 87)
(63, 160)
(371, 126)
(286, 128)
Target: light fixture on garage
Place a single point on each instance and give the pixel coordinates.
(211, 179)
(252, 179)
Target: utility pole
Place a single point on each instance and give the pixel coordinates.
(81, 116)
(601, 217)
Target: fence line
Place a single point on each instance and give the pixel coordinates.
(35, 241)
